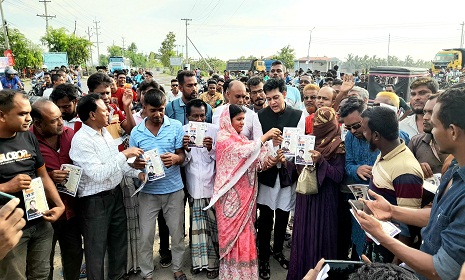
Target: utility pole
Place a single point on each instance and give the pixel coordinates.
(46, 16)
(98, 42)
(5, 33)
(89, 34)
(461, 37)
(309, 43)
(122, 49)
(186, 20)
(389, 45)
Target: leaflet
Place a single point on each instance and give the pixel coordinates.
(359, 191)
(305, 143)
(388, 228)
(35, 199)
(153, 165)
(70, 185)
(431, 184)
(344, 132)
(196, 134)
(289, 144)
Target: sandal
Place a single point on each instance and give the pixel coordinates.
(195, 271)
(264, 269)
(282, 260)
(212, 274)
(180, 277)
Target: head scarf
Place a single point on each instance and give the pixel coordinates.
(327, 133)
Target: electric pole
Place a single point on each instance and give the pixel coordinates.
(389, 45)
(186, 20)
(89, 34)
(461, 37)
(122, 49)
(98, 42)
(309, 43)
(5, 33)
(46, 16)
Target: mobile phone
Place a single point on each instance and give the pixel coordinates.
(340, 270)
(358, 205)
(4, 198)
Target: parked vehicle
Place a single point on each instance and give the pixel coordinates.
(449, 58)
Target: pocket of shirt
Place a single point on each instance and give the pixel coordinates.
(441, 222)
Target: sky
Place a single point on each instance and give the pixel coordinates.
(230, 29)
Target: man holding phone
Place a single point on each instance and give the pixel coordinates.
(11, 223)
(20, 161)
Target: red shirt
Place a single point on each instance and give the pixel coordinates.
(53, 161)
(119, 94)
(309, 124)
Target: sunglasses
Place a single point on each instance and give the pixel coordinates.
(313, 97)
(174, 85)
(355, 126)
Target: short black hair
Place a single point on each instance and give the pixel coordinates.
(384, 121)
(452, 103)
(86, 105)
(47, 73)
(64, 90)
(55, 77)
(97, 79)
(235, 110)
(337, 82)
(212, 81)
(273, 83)
(352, 104)
(185, 73)
(146, 84)
(279, 62)
(197, 103)
(7, 99)
(155, 98)
(119, 72)
(174, 80)
(254, 81)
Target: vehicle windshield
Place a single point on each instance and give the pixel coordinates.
(444, 57)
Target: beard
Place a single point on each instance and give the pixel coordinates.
(372, 146)
(417, 111)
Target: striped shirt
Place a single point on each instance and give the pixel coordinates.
(398, 177)
(167, 140)
(102, 165)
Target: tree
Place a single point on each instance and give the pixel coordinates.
(287, 56)
(103, 60)
(25, 52)
(115, 50)
(167, 49)
(76, 47)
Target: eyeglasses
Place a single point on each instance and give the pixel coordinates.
(257, 91)
(174, 85)
(322, 97)
(354, 126)
(313, 97)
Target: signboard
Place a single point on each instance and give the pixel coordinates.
(176, 61)
(55, 59)
(9, 55)
(3, 63)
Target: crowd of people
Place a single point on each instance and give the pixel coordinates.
(141, 164)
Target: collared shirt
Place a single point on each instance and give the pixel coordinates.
(212, 100)
(53, 161)
(177, 110)
(137, 117)
(398, 177)
(168, 139)
(424, 150)
(409, 125)
(102, 165)
(252, 127)
(444, 236)
(200, 167)
(172, 97)
(293, 98)
(75, 123)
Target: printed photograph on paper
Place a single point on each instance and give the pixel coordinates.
(70, 185)
(305, 143)
(35, 200)
(153, 165)
(289, 144)
(196, 134)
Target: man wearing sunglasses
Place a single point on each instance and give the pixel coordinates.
(174, 93)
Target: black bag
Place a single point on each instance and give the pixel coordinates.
(287, 174)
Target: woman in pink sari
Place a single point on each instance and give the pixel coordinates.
(237, 162)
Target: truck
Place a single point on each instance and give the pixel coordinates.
(244, 65)
(118, 63)
(449, 58)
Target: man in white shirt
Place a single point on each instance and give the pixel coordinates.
(200, 179)
(174, 93)
(100, 196)
(293, 97)
(236, 93)
(57, 80)
(420, 90)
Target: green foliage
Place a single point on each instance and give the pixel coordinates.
(167, 49)
(215, 63)
(115, 51)
(25, 52)
(287, 56)
(364, 63)
(58, 40)
(103, 60)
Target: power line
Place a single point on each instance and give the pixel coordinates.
(98, 42)
(46, 16)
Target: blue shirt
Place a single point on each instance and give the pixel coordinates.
(168, 139)
(10, 84)
(176, 109)
(358, 153)
(444, 236)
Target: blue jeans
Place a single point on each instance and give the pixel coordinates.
(30, 259)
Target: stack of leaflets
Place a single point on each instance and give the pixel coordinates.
(35, 199)
(289, 144)
(388, 228)
(305, 143)
(70, 185)
(154, 168)
(196, 134)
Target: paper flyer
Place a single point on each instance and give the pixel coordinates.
(289, 144)
(305, 143)
(388, 228)
(196, 134)
(344, 132)
(153, 165)
(70, 185)
(359, 191)
(35, 199)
